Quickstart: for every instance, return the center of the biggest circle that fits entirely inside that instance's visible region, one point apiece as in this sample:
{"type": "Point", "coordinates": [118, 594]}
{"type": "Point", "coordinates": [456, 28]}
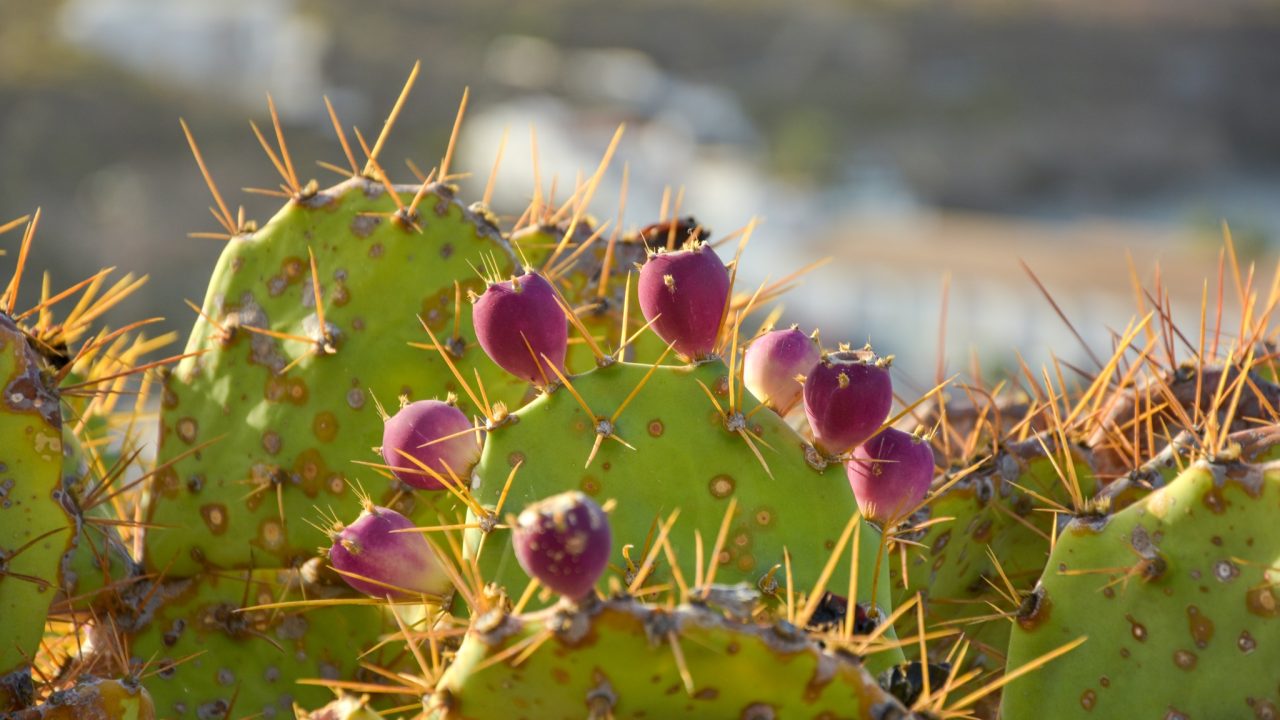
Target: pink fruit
{"type": "Point", "coordinates": [890, 474]}
{"type": "Point", "coordinates": [564, 541]}
{"type": "Point", "coordinates": [377, 561]}
{"type": "Point", "coordinates": [847, 395]}
{"type": "Point", "coordinates": [684, 293]}
{"type": "Point", "coordinates": [772, 362]}
{"type": "Point", "coordinates": [417, 430]}
{"type": "Point", "coordinates": [521, 327]}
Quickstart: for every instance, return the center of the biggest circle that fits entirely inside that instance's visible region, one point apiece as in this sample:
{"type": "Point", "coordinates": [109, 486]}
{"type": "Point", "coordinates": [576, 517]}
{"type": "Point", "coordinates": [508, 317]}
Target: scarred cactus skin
{"type": "Point", "coordinates": [36, 529]}
{"type": "Point", "coordinates": [846, 397]}
{"type": "Point", "coordinates": [435, 434]}
{"type": "Point", "coordinates": [378, 561]}
{"type": "Point", "coordinates": [1177, 595]}
{"type": "Point", "coordinates": [772, 362]}
{"type": "Point", "coordinates": [890, 474]}
{"type": "Point", "coordinates": [686, 291]}
{"type": "Point", "coordinates": [564, 542]}
{"type": "Point", "coordinates": [522, 328]}
{"type": "Point", "coordinates": [94, 699]}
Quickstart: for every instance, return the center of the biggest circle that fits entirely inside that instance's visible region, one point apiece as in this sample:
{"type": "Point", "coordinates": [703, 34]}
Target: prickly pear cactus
{"type": "Point", "coordinates": [623, 658]}
{"type": "Point", "coordinates": [263, 426]}
{"type": "Point", "coordinates": [671, 448]}
{"type": "Point", "coordinates": [1176, 595]}
{"type": "Point", "coordinates": [35, 527]}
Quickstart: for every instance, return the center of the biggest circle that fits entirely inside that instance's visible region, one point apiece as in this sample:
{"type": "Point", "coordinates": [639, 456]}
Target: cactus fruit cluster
{"type": "Point", "coordinates": [417, 460]}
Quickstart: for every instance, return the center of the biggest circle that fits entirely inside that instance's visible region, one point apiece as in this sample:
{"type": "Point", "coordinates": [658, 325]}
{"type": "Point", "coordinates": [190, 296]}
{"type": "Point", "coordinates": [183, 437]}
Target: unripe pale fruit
{"type": "Point", "coordinates": [564, 541]}
{"type": "Point", "coordinates": [684, 293]}
{"type": "Point", "coordinates": [521, 327]}
{"type": "Point", "coordinates": [418, 430]}
{"type": "Point", "coordinates": [378, 561]}
{"type": "Point", "coordinates": [847, 395]}
{"type": "Point", "coordinates": [890, 474]}
{"type": "Point", "coordinates": [771, 363]}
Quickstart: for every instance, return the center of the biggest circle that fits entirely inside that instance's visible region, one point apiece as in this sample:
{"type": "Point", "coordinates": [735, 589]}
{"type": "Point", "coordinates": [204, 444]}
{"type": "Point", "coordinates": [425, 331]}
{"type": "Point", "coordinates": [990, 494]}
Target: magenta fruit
{"type": "Point", "coordinates": [684, 293]}
{"type": "Point", "coordinates": [437, 435]}
{"type": "Point", "coordinates": [378, 561]}
{"type": "Point", "coordinates": [847, 395]}
{"type": "Point", "coordinates": [890, 474]}
{"type": "Point", "coordinates": [771, 363]}
{"type": "Point", "coordinates": [521, 327]}
{"type": "Point", "coordinates": [564, 541]}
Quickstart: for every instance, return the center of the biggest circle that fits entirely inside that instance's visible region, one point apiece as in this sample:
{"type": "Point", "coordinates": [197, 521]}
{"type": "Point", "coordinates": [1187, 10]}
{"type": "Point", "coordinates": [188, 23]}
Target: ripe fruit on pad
{"type": "Point", "coordinates": [521, 327]}
{"type": "Point", "coordinates": [564, 541]}
{"type": "Point", "coordinates": [434, 433]}
{"type": "Point", "coordinates": [847, 395]}
{"type": "Point", "coordinates": [890, 474]}
{"type": "Point", "coordinates": [772, 362]}
{"type": "Point", "coordinates": [686, 291]}
{"type": "Point", "coordinates": [376, 560]}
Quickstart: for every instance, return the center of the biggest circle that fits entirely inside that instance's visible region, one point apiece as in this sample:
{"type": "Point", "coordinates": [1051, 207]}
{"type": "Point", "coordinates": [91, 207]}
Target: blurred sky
{"type": "Point", "coordinates": [911, 140]}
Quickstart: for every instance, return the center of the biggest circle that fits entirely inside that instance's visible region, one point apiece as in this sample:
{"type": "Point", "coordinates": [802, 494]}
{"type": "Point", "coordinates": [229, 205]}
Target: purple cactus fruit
{"type": "Point", "coordinates": [772, 362]}
{"type": "Point", "coordinates": [378, 561]}
{"type": "Point", "coordinates": [518, 322]}
{"type": "Point", "coordinates": [847, 395]}
{"type": "Point", "coordinates": [890, 474]}
{"type": "Point", "coordinates": [417, 430]}
{"type": "Point", "coordinates": [686, 290]}
{"type": "Point", "coordinates": [564, 541]}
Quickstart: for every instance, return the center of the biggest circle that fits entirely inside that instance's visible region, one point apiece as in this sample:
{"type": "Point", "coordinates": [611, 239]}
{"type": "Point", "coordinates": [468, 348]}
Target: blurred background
{"type": "Point", "coordinates": [910, 139]}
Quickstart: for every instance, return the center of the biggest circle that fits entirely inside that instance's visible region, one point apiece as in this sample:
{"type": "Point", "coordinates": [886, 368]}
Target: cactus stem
{"type": "Point", "coordinates": [444, 355]}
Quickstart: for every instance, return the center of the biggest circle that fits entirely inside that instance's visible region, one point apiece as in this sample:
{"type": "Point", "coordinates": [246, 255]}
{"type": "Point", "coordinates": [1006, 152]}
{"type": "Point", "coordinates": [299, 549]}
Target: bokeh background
{"type": "Point", "coordinates": [912, 140]}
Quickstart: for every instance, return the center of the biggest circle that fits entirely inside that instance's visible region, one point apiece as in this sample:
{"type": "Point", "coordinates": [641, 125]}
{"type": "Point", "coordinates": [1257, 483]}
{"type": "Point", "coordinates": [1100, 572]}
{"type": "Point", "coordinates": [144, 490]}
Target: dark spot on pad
{"type": "Point", "coordinates": [721, 486]}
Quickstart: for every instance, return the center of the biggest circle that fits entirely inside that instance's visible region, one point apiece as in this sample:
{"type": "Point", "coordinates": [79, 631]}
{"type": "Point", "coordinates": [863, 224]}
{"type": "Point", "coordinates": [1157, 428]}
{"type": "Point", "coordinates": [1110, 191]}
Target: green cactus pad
{"type": "Point", "coordinates": [1177, 597]}
{"type": "Point", "coordinates": [255, 657]}
{"type": "Point", "coordinates": [684, 458]}
{"type": "Point", "coordinates": [36, 529]}
{"type": "Point", "coordinates": [300, 430]}
{"type": "Point", "coordinates": [616, 659]}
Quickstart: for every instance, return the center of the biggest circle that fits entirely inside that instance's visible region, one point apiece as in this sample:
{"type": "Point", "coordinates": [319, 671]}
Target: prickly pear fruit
{"type": "Point", "coordinates": [847, 396]}
{"type": "Point", "coordinates": [433, 434]}
{"type": "Point", "coordinates": [376, 560]}
{"type": "Point", "coordinates": [890, 474]}
{"type": "Point", "coordinates": [35, 527]}
{"type": "Point", "coordinates": [521, 327]}
{"type": "Point", "coordinates": [564, 542]}
{"type": "Point", "coordinates": [683, 293]}
{"type": "Point", "coordinates": [771, 363]}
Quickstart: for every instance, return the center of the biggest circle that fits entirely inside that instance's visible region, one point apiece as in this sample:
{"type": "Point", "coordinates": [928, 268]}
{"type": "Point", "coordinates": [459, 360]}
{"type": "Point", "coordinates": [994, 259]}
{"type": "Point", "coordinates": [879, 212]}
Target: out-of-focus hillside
{"type": "Point", "coordinates": [832, 121]}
